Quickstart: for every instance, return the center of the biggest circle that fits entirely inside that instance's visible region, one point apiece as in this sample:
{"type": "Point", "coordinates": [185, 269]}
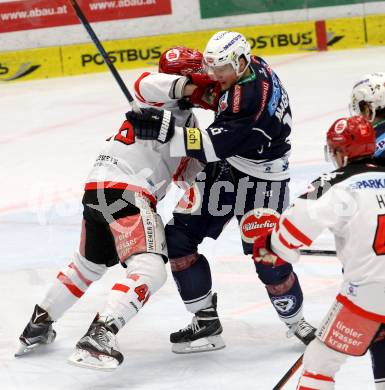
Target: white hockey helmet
{"type": "Point", "coordinates": [370, 89]}
{"type": "Point", "coordinates": [226, 47]}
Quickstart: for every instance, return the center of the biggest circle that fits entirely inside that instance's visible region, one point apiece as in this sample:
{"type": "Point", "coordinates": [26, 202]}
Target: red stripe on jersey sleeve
{"type": "Point", "coordinates": [296, 233]}
{"type": "Point", "coordinates": [287, 244]}
{"type": "Point", "coordinates": [136, 86]}
{"type": "Point", "coordinates": [139, 95]}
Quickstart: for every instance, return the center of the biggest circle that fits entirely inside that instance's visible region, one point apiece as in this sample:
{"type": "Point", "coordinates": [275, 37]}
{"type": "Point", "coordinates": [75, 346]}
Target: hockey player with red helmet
{"type": "Point", "coordinates": [368, 99]}
{"type": "Point", "coordinates": [350, 202]}
{"type": "Point", "coordinates": [180, 73]}
{"type": "Point", "coordinates": [120, 225]}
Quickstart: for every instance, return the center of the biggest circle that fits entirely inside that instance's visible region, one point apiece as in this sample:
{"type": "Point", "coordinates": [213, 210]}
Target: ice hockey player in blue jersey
{"type": "Point", "coordinates": [246, 149]}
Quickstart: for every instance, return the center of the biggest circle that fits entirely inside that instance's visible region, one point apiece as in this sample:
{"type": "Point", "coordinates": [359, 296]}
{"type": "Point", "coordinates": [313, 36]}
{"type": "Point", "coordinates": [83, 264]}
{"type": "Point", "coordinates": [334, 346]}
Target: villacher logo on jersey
{"type": "Point", "coordinates": [256, 222]}
{"type": "Point", "coordinates": [255, 225]}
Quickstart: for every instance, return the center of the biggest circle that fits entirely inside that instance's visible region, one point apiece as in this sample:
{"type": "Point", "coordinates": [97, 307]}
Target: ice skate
{"type": "Point", "coordinates": [98, 348]}
{"type": "Point", "coordinates": [202, 335]}
{"type": "Point", "coordinates": [38, 332]}
{"type": "Point", "coordinates": [302, 330]}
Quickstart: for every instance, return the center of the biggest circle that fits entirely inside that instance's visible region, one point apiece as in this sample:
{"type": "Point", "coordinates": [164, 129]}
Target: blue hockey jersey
{"type": "Point", "coordinates": [251, 127]}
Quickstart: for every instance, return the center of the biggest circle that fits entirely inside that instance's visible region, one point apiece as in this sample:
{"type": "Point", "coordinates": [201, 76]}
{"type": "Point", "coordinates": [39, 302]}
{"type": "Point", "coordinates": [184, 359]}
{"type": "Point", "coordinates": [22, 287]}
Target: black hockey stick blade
{"type": "Point", "coordinates": [104, 54]}
{"type": "Point", "coordinates": [292, 370]}
{"type": "Point", "coordinates": [317, 252]}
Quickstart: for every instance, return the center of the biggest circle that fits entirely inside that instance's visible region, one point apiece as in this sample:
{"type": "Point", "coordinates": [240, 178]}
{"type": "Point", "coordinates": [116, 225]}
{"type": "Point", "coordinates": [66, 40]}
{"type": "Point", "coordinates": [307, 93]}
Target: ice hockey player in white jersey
{"type": "Point", "coordinates": [368, 99]}
{"type": "Point", "coordinates": [349, 201]}
{"type": "Point", "coordinates": [120, 224]}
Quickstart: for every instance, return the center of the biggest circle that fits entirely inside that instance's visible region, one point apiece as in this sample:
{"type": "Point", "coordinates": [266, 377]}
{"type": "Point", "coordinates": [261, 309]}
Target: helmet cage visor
{"type": "Point", "coordinates": [330, 156]}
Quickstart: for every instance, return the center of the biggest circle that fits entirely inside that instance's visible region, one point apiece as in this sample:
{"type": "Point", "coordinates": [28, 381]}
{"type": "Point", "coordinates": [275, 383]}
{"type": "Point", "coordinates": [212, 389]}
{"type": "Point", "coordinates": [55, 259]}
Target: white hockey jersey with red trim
{"type": "Point", "coordinates": [145, 165]}
{"type": "Point", "coordinates": [351, 203]}
{"type": "Point", "coordinates": [156, 90]}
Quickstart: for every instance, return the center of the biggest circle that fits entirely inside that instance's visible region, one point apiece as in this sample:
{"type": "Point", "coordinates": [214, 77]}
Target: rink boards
{"type": "Point", "coordinates": [334, 34]}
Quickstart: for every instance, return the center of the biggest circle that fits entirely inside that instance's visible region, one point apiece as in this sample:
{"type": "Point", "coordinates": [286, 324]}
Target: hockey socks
{"type": "Point", "coordinates": [377, 352]}
{"type": "Point", "coordinates": [70, 285]}
{"type": "Point", "coordinates": [146, 273]}
{"type": "Point", "coordinates": [287, 299]}
{"type": "Point", "coordinates": [192, 276]}
{"type": "Point", "coordinates": [313, 381]}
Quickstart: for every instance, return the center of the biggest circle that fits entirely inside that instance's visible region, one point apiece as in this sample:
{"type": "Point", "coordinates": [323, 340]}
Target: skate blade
{"type": "Point", "coordinates": [205, 344]}
{"type": "Point", "coordinates": [85, 359]}
{"type": "Point", "coordinates": [27, 349]}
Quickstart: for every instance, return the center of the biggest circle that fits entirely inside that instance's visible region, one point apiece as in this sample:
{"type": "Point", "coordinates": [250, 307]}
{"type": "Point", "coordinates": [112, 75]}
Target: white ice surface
{"type": "Point", "coordinates": [50, 133]}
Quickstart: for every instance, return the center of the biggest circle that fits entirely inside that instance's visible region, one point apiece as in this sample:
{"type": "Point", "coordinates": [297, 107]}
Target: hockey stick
{"type": "Point", "coordinates": [292, 370]}
{"type": "Point", "coordinates": [104, 54]}
{"type": "Point", "coordinates": [317, 252]}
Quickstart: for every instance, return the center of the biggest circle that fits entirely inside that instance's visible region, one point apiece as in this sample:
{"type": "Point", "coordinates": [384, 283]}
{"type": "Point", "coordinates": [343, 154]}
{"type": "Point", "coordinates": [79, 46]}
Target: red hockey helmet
{"type": "Point", "coordinates": [180, 60]}
{"type": "Point", "coordinates": [354, 137]}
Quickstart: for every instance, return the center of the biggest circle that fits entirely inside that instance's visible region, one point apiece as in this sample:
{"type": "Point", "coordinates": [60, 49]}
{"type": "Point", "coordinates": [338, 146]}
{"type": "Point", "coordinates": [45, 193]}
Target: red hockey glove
{"type": "Point", "coordinates": [201, 79]}
{"type": "Point", "coordinates": [208, 92]}
{"type": "Point", "coordinates": [262, 251]}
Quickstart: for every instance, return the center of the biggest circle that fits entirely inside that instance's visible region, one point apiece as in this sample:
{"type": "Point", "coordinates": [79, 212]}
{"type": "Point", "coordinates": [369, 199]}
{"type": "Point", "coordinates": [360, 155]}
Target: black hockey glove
{"type": "Point", "coordinates": [152, 124]}
{"type": "Point", "coordinates": [184, 104]}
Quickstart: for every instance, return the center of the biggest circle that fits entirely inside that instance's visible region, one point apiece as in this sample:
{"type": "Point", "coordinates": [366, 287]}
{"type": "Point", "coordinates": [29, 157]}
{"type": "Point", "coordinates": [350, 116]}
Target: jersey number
{"type": "Point", "coordinates": [143, 293]}
{"type": "Point", "coordinates": [126, 134]}
{"type": "Point", "coordinates": [379, 238]}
